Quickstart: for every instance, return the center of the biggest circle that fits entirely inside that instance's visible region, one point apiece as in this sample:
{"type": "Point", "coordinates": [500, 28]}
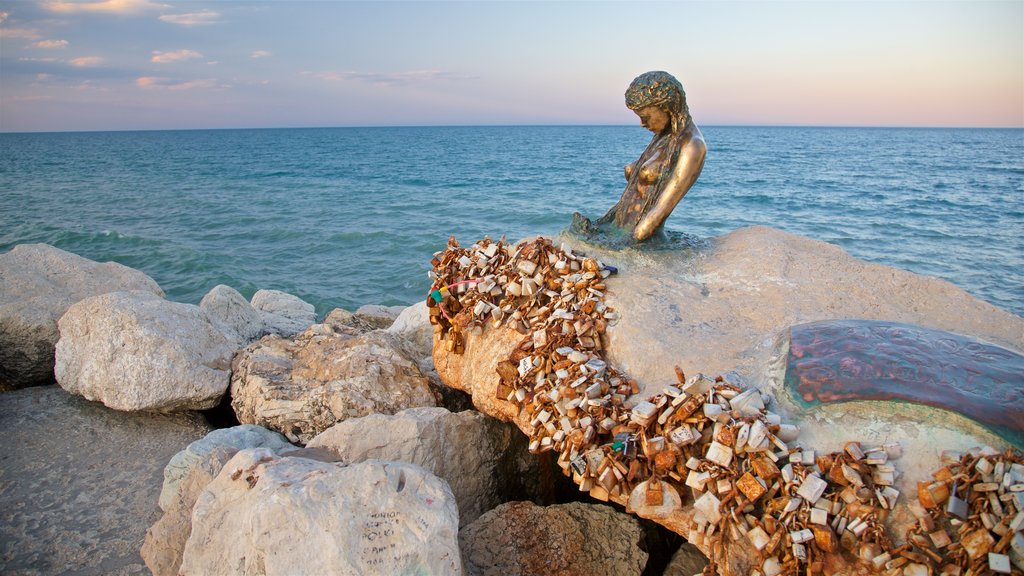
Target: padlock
{"type": "Point", "coordinates": [956, 506]}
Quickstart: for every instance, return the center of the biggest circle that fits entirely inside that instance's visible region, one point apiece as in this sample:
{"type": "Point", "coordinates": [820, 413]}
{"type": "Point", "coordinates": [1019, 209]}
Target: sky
{"type": "Point", "coordinates": [68, 65]}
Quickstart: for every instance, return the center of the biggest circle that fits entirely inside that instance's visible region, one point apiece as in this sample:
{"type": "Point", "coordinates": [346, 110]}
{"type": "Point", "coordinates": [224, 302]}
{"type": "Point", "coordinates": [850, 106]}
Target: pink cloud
{"type": "Point", "coordinates": [51, 44]}
{"type": "Point", "coordinates": [159, 82]}
{"type": "Point", "coordinates": [200, 18]}
{"type": "Point", "coordinates": [174, 56]}
{"type": "Point", "coordinates": [103, 6]}
{"type": "Point", "coordinates": [86, 61]}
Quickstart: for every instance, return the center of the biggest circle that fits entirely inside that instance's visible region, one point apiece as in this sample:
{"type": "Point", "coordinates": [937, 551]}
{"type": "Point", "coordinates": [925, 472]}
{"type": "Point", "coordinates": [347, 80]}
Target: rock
{"type": "Point", "coordinates": [413, 327]}
{"type": "Point", "coordinates": [236, 437]}
{"type": "Point", "coordinates": [37, 285]}
{"type": "Point", "coordinates": [283, 313]}
{"type": "Point", "coordinates": [165, 541]}
{"type": "Point", "coordinates": [687, 561]}
{"type": "Point", "coordinates": [343, 322]}
{"type": "Point", "coordinates": [233, 315]}
{"type": "Point", "coordinates": [722, 308]}
{"type": "Point", "coordinates": [483, 460]}
{"type": "Point", "coordinates": [137, 351]}
{"type": "Point", "coordinates": [79, 482]}
{"type": "Point", "coordinates": [302, 386]}
{"type": "Point", "coordinates": [265, 514]}
{"type": "Point", "coordinates": [380, 317]}
{"type": "Point", "coordinates": [729, 307]}
{"type": "Point", "coordinates": [523, 539]}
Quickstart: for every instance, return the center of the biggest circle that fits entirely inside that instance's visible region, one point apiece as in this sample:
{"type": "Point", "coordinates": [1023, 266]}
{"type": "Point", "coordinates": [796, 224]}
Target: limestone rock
{"type": "Point", "coordinates": [726, 307]}
{"type": "Point", "coordinates": [271, 515]}
{"type": "Point", "coordinates": [236, 437]}
{"type": "Point", "coordinates": [283, 313]}
{"type": "Point", "coordinates": [302, 386]}
{"type": "Point", "coordinates": [232, 314]}
{"type": "Point", "coordinates": [523, 539]}
{"type": "Point", "coordinates": [483, 460]}
{"type": "Point", "coordinates": [37, 285]}
{"type": "Point", "coordinates": [687, 561]}
{"type": "Point", "coordinates": [721, 308]}
{"type": "Point", "coordinates": [79, 482]}
{"type": "Point", "coordinates": [137, 351]}
{"type": "Point", "coordinates": [380, 317]}
{"type": "Point", "coordinates": [165, 541]}
{"type": "Point", "coordinates": [343, 322]}
{"type": "Point", "coordinates": [413, 327]}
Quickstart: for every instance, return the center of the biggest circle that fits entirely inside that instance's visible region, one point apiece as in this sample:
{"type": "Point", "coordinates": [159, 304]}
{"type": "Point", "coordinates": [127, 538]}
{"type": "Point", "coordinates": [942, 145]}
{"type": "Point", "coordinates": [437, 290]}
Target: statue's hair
{"type": "Point", "coordinates": [660, 89]}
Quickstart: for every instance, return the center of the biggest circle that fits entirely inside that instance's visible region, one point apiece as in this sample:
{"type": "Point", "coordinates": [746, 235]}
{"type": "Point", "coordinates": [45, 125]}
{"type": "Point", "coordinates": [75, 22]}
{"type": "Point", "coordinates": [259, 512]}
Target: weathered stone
{"type": "Point", "coordinates": [37, 285]}
{"type": "Point", "coordinates": [413, 327]}
{"type": "Point", "coordinates": [523, 539]}
{"type": "Point", "coordinates": [236, 437]}
{"type": "Point", "coordinates": [687, 561]}
{"type": "Point", "coordinates": [137, 351]}
{"type": "Point", "coordinates": [271, 515]}
{"type": "Point", "coordinates": [165, 541]}
{"type": "Point", "coordinates": [79, 482]}
{"type": "Point", "coordinates": [283, 313]}
{"type": "Point", "coordinates": [483, 460]}
{"type": "Point", "coordinates": [726, 307]}
{"type": "Point", "coordinates": [302, 386]}
{"type": "Point", "coordinates": [345, 323]}
{"type": "Point", "coordinates": [380, 317]}
{"type": "Point", "coordinates": [232, 314]}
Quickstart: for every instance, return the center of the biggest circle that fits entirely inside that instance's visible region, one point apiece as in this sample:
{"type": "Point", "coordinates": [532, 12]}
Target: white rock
{"type": "Point", "coordinates": [303, 386]}
{"type": "Point", "coordinates": [283, 313]}
{"type": "Point", "coordinates": [232, 314]}
{"type": "Point", "coordinates": [237, 437]}
{"type": "Point", "coordinates": [379, 316]}
{"type": "Point", "coordinates": [137, 351]}
{"type": "Point", "coordinates": [283, 516]}
{"type": "Point", "coordinates": [37, 285]}
{"type": "Point", "coordinates": [481, 458]}
{"type": "Point", "coordinates": [413, 328]}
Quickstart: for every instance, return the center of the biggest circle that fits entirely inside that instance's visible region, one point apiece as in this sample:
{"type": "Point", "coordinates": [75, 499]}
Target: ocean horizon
{"type": "Point", "coordinates": [351, 215]}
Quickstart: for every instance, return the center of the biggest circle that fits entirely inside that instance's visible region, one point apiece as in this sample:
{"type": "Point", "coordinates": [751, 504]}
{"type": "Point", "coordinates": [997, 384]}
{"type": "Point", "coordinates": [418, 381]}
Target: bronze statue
{"type": "Point", "coordinates": [666, 169]}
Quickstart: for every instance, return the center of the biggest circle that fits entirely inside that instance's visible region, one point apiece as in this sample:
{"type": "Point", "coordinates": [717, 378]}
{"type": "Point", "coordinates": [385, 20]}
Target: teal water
{"type": "Point", "coordinates": [351, 216]}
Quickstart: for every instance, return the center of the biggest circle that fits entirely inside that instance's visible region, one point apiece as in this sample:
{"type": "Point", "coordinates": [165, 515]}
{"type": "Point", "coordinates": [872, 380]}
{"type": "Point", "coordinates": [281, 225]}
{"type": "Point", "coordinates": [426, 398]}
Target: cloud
{"type": "Point", "coordinates": [26, 33]}
{"type": "Point", "coordinates": [4, 16]}
{"type": "Point", "coordinates": [174, 56]}
{"type": "Point", "coordinates": [51, 44]}
{"type": "Point", "coordinates": [192, 18]}
{"type": "Point", "coordinates": [86, 61]}
{"type": "Point", "coordinates": [390, 78]}
{"type": "Point", "coordinates": [103, 6]}
{"type": "Point", "coordinates": [158, 82]}
{"type": "Point", "coordinates": [261, 54]}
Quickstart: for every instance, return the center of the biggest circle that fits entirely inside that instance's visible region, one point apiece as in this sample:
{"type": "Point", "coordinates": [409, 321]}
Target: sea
{"type": "Point", "coordinates": [343, 217]}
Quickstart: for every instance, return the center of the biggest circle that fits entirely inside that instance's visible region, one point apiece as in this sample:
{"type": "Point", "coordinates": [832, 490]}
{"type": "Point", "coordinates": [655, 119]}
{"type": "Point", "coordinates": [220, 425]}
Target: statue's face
{"type": "Point", "coordinates": [654, 118]}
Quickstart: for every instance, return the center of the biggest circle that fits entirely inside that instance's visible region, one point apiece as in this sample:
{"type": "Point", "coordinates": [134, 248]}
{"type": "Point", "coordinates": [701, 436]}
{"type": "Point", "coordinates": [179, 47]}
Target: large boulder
{"type": "Point", "coordinates": [282, 313]}
{"type": "Point", "coordinates": [79, 482]}
{"type": "Point", "coordinates": [232, 314]}
{"type": "Point", "coordinates": [728, 309]}
{"type": "Point", "coordinates": [484, 461]}
{"type": "Point", "coordinates": [37, 285]}
{"type": "Point", "coordinates": [378, 316]}
{"type": "Point", "coordinates": [413, 327]}
{"type": "Point", "coordinates": [575, 539]}
{"type": "Point", "coordinates": [137, 351]}
{"type": "Point", "coordinates": [165, 541]}
{"type": "Point", "coordinates": [237, 437]}
{"type": "Point", "coordinates": [302, 386]}
{"type": "Point", "coordinates": [265, 514]}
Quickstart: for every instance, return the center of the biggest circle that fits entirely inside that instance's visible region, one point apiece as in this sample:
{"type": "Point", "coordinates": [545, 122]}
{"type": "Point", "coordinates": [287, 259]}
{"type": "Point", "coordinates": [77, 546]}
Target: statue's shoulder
{"type": "Point", "coordinates": [694, 145]}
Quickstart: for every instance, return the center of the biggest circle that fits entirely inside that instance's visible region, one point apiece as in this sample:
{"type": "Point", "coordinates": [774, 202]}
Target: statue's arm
{"type": "Point", "coordinates": [684, 174]}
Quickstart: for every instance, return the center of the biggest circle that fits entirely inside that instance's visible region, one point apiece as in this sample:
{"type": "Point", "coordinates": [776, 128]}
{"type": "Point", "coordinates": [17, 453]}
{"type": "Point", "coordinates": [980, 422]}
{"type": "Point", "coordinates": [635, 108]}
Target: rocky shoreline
{"type": "Point", "coordinates": [348, 453]}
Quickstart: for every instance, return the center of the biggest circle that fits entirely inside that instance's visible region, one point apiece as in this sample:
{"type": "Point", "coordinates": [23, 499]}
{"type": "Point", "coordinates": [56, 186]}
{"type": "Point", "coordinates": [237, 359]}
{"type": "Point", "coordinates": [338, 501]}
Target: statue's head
{"type": "Point", "coordinates": [662, 90]}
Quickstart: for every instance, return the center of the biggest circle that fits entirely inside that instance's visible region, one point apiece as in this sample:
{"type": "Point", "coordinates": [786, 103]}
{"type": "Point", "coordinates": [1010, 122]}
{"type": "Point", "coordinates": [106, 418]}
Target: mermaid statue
{"type": "Point", "coordinates": [663, 173]}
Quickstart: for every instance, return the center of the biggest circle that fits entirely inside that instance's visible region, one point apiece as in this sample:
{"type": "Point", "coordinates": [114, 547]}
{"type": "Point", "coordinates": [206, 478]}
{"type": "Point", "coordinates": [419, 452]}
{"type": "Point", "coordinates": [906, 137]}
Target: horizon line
{"type": "Point", "coordinates": [523, 125]}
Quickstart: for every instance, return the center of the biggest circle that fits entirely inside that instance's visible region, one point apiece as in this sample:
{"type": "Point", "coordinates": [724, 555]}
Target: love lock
{"type": "Point", "coordinates": [956, 506]}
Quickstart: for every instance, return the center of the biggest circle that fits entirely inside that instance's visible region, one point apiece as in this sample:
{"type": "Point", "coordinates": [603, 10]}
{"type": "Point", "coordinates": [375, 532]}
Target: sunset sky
{"type": "Point", "coordinates": [156, 64]}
